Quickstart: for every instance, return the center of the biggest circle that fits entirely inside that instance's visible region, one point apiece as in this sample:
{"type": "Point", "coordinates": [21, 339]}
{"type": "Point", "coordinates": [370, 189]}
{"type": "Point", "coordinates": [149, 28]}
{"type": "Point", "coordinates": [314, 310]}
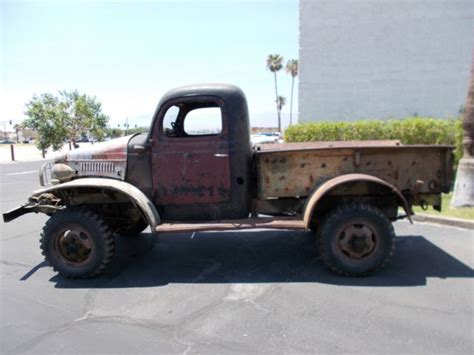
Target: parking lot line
{"type": "Point", "coordinates": [22, 172]}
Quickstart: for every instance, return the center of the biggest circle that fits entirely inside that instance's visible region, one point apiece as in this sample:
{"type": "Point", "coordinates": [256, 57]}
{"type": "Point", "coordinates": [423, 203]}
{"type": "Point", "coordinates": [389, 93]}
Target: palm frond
{"type": "Point", "coordinates": [274, 62]}
{"type": "Point", "coordinates": [292, 67]}
{"type": "Point", "coordinates": [281, 101]}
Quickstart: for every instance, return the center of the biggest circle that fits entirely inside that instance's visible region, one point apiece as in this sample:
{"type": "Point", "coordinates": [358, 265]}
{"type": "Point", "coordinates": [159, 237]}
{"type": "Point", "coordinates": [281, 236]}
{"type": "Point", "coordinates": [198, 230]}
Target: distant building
{"type": "Point", "coordinates": [381, 59]}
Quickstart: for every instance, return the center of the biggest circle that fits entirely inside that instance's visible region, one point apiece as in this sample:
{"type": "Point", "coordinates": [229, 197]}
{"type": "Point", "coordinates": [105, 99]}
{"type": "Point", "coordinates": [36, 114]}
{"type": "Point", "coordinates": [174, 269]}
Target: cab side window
{"type": "Point", "coordinates": [192, 120]}
{"type": "Point", "coordinates": [169, 121]}
{"type": "Point", "coordinates": [203, 121]}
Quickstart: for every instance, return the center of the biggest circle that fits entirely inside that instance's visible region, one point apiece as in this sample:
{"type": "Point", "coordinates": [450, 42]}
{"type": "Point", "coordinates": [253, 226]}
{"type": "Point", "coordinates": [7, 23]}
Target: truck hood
{"type": "Point", "coordinates": [106, 159]}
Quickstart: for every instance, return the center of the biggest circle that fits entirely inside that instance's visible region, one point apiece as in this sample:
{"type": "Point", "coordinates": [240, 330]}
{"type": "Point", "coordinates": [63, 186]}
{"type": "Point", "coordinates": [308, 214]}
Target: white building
{"type": "Point", "coordinates": [384, 58]}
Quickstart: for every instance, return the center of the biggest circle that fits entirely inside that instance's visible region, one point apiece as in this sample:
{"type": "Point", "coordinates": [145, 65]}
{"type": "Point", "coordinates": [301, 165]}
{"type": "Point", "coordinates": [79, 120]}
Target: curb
{"type": "Point", "coordinates": [451, 221]}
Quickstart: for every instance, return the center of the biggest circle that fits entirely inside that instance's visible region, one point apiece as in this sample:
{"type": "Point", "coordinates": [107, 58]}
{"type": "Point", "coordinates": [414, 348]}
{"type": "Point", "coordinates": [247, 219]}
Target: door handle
{"type": "Point", "coordinates": [219, 155]}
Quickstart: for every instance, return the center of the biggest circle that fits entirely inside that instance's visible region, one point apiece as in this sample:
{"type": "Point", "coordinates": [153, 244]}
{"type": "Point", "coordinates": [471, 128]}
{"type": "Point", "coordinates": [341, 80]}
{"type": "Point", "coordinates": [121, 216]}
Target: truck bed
{"type": "Point", "coordinates": [295, 169]}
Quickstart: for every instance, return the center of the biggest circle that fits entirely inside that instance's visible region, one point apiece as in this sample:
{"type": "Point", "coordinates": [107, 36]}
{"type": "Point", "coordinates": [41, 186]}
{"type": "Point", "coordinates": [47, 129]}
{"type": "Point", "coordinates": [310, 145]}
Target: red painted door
{"type": "Point", "coordinates": [190, 163]}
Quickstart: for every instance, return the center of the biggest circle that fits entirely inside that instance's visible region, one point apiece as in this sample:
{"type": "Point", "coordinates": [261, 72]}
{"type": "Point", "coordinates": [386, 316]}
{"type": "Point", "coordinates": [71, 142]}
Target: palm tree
{"type": "Point", "coordinates": [292, 69]}
{"type": "Point", "coordinates": [274, 64]}
{"type": "Point", "coordinates": [281, 101]}
{"type": "Point", "coordinates": [463, 194]}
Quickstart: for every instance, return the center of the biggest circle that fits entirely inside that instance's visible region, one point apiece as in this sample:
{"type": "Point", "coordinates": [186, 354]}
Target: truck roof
{"type": "Point", "coordinates": [225, 91]}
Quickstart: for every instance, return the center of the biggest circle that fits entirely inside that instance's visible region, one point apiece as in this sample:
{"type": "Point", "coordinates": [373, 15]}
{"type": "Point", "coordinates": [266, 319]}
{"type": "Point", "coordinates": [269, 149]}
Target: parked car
{"type": "Point", "coordinates": [261, 138]}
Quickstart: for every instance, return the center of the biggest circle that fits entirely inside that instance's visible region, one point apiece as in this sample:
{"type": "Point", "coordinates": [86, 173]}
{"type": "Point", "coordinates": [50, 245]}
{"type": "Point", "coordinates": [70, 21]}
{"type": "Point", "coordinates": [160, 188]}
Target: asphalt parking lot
{"type": "Point", "coordinates": [234, 292]}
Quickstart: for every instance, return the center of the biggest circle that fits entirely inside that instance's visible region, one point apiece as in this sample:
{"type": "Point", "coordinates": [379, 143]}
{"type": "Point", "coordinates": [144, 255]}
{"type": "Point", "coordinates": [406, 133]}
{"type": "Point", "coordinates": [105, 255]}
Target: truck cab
{"type": "Point", "coordinates": [195, 162]}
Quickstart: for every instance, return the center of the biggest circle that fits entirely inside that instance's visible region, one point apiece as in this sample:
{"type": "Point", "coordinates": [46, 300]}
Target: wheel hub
{"type": "Point", "coordinates": [357, 241]}
{"type": "Point", "coordinates": [74, 245]}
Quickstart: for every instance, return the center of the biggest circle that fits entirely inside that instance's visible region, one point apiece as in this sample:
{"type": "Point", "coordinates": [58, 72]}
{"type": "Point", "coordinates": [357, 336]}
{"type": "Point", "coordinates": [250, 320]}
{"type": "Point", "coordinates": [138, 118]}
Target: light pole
{"type": "Point", "coordinates": [464, 188]}
{"type": "Point", "coordinates": [126, 125]}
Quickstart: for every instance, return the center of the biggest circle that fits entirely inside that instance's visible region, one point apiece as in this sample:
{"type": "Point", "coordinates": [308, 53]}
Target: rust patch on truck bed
{"type": "Point", "coordinates": [324, 145]}
{"type": "Point", "coordinates": [288, 173]}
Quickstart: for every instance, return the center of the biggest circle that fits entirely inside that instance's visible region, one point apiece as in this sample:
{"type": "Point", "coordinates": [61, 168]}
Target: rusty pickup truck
{"type": "Point", "coordinates": [179, 177]}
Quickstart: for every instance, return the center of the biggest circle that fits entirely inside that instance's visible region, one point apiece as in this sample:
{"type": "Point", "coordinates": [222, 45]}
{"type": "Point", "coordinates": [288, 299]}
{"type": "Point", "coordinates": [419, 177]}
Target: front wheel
{"type": "Point", "coordinates": [356, 239]}
{"type": "Point", "coordinates": [77, 243]}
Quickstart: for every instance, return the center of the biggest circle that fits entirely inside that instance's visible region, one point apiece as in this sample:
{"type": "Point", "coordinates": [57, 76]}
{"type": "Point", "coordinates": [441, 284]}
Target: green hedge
{"type": "Point", "coordinates": [411, 130]}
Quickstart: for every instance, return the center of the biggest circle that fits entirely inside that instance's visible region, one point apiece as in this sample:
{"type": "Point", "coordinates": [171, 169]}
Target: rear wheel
{"type": "Point", "coordinates": [356, 239]}
{"type": "Point", "coordinates": [77, 243]}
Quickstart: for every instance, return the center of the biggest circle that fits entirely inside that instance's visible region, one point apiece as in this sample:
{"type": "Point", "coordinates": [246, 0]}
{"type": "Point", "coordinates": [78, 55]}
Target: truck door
{"type": "Point", "coordinates": [190, 153]}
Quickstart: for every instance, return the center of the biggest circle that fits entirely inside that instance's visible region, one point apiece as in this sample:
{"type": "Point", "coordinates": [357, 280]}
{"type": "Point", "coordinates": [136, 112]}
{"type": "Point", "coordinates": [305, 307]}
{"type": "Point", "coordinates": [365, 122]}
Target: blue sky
{"type": "Point", "coordinates": [128, 53]}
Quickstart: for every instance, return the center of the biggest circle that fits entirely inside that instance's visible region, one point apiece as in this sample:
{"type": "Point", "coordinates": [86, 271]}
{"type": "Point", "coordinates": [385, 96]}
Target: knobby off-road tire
{"type": "Point", "coordinates": [77, 243]}
{"type": "Point", "coordinates": [355, 239]}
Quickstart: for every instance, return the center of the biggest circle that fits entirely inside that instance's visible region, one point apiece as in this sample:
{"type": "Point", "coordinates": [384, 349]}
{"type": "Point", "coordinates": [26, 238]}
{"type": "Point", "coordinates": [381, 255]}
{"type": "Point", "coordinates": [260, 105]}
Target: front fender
{"type": "Point", "coordinates": [137, 197]}
{"type": "Point", "coordinates": [329, 185]}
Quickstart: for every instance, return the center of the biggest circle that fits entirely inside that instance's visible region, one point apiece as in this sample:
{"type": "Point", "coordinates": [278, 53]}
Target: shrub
{"type": "Point", "coordinates": [411, 130]}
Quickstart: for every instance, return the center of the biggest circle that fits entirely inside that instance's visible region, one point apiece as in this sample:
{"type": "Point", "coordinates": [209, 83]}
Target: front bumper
{"type": "Point", "coordinates": [45, 203]}
{"type": "Point", "coordinates": [17, 212]}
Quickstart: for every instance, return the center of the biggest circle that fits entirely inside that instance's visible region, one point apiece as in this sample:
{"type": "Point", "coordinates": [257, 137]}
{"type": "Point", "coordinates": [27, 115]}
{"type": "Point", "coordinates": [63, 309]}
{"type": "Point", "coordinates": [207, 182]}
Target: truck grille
{"type": "Point", "coordinates": [97, 167]}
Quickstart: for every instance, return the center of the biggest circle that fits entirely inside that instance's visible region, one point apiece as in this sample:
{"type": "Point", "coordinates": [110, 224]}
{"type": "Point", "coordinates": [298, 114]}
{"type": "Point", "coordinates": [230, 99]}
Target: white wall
{"type": "Point", "coordinates": [384, 58]}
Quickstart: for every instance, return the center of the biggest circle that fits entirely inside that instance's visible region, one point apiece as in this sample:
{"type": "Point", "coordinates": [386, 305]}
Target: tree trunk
{"type": "Point", "coordinates": [276, 102]}
{"type": "Point", "coordinates": [464, 187]}
{"type": "Point", "coordinates": [291, 99]}
{"type": "Point", "coordinates": [468, 124]}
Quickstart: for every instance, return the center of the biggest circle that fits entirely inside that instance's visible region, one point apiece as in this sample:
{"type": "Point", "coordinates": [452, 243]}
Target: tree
{"type": "Point", "coordinates": [65, 116]}
{"type": "Point", "coordinates": [17, 129]}
{"type": "Point", "coordinates": [113, 132]}
{"type": "Point", "coordinates": [83, 114]}
{"type": "Point", "coordinates": [281, 101]}
{"type": "Point", "coordinates": [45, 116]}
{"type": "Point", "coordinates": [28, 134]}
{"type": "Point", "coordinates": [137, 130]}
{"type": "Point", "coordinates": [292, 69]}
{"type": "Point", "coordinates": [464, 188]}
{"type": "Point", "coordinates": [274, 64]}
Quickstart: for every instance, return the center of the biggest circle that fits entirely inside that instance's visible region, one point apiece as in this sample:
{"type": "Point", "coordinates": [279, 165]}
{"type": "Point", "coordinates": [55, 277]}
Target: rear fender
{"type": "Point", "coordinates": [329, 185]}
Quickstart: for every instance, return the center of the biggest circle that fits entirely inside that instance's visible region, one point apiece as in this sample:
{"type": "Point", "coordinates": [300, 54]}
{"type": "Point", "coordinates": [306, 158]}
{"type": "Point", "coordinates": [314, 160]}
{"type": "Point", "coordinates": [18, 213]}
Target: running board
{"type": "Point", "coordinates": [293, 223]}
